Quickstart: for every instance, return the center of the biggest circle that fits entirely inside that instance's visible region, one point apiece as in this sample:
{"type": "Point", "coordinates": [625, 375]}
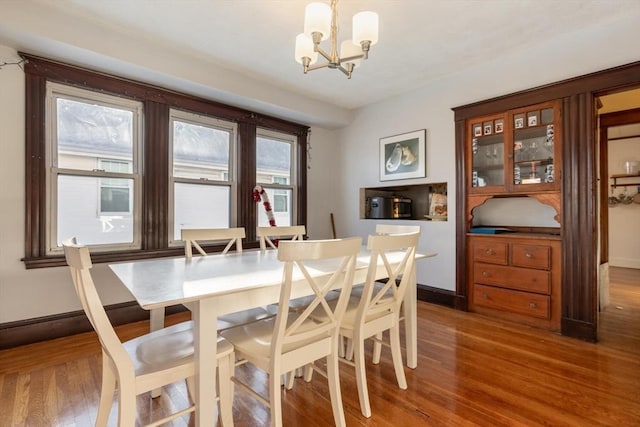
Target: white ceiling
{"type": "Point", "coordinates": [250, 42]}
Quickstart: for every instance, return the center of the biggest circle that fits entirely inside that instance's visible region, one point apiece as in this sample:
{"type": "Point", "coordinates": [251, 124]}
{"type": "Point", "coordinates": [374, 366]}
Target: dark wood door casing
{"type": "Point", "coordinates": [578, 188]}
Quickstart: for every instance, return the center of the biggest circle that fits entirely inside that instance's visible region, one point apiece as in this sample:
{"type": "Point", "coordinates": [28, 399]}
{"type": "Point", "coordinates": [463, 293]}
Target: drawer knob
{"type": "Point", "coordinates": [485, 296]}
{"type": "Point", "coordinates": [528, 255]}
{"type": "Point", "coordinates": [490, 251]}
{"type": "Point", "coordinates": [533, 305]}
{"type": "Point", "coordinates": [485, 274]}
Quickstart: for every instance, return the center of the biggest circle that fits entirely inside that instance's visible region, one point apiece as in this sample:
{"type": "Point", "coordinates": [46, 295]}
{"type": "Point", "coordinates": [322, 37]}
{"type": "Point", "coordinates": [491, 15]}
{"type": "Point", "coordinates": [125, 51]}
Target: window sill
{"type": "Point", "coordinates": [108, 257]}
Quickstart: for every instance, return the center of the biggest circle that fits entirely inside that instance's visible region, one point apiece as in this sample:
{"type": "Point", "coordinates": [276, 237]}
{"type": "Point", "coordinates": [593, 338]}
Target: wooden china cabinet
{"type": "Point", "coordinates": [514, 272]}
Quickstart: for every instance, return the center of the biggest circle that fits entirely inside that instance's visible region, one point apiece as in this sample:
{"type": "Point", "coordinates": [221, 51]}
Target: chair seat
{"type": "Point", "coordinates": [244, 317]}
{"type": "Point", "coordinates": [255, 338]}
{"type": "Point", "coordinates": [167, 348]}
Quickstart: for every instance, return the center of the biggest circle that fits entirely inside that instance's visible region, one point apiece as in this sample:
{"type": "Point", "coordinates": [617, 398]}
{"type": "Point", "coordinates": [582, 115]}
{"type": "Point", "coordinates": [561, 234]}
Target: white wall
{"type": "Point", "coordinates": [342, 161]}
{"type": "Point", "coordinates": [624, 220]}
{"type": "Point", "coordinates": [27, 294]}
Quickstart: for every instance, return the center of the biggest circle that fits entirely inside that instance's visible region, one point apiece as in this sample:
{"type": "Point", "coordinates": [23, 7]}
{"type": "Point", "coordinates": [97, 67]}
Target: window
{"type": "Point", "coordinates": [124, 166]}
{"type": "Point", "coordinates": [274, 159]}
{"type": "Point", "coordinates": [202, 164]}
{"type": "Point", "coordinates": [92, 197]}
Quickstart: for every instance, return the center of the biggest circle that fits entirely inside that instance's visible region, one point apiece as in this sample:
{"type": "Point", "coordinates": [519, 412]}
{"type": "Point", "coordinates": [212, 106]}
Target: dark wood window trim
{"type": "Point", "coordinates": [157, 102]}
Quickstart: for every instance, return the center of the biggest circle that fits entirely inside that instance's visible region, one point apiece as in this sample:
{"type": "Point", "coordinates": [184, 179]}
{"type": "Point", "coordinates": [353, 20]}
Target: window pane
{"type": "Point", "coordinates": [88, 131]}
{"type": "Point", "coordinates": [200, 206]}
{"type": "Point", "coordinates": [200, 151]}
{"type": "Point", "coordinates": [281, 205]}
{"type": "Point", "coordinates": [79, 212]}
{"type": "Point", "coordinates": [273, 161]}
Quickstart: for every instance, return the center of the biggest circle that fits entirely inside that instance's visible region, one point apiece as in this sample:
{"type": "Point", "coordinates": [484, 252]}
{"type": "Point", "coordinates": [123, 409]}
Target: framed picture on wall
{"type": "Point", "coordinates": [403, 156]}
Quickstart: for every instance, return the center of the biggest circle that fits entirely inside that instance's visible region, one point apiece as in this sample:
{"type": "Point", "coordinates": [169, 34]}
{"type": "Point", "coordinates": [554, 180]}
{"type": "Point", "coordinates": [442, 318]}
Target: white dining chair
{"type": "Point", "coordinates": [292, 339]}
{"type": "Point", "coordinates": [385, 229]}
{"type": "Point", "coordinates": [377, 308]}
{"type": "Point", "coordinates": [267, 234]}
{"type": "Point", "coordinates": [231, 237]}
{"type": "Point", "coordinates": [146, 362]}
{"type": "Point", "coordinates": [267, 239]}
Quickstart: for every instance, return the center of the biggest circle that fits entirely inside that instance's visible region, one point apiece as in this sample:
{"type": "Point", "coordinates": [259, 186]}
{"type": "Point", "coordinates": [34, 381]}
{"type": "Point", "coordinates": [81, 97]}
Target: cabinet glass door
{"type": "Point", "coordinates": [533, 147]}
{"type": "Point", "coordinates": [487, 149]}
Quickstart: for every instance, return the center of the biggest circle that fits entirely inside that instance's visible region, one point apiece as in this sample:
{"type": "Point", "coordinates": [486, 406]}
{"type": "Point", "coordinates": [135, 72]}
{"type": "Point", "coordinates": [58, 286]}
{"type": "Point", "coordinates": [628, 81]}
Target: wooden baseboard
{"type": "Point", "coordinates": [30, 331]}
{"type": "Point", "coordinates": [578, 329]}
{"type": "Point", "coordinates": [437, 296]}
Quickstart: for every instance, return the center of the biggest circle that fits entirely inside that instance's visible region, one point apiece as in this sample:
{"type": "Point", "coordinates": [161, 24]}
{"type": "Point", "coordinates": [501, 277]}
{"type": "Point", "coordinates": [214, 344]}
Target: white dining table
{"type": "Point", "coordinates": [215, 285]}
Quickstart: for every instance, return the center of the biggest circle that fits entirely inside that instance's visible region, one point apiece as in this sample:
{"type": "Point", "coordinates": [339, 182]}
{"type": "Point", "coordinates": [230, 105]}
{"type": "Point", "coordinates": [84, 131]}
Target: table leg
{"type": "Point", "coordinates": [204, 317]}
{"type": "Point", "coordinates": [156, 322]}
{"type": "Point", "coordinates": [410, 307]}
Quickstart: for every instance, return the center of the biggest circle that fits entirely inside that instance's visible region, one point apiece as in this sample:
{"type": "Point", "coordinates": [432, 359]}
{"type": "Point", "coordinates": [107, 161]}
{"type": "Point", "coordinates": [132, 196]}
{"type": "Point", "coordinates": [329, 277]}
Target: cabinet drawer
{"type": "Point", "coordinates": [531, 256]}
{"type": "Point", "coordinates": [524, 279]}
{"type": "Point", "coordinates": [491, 252]}
{"type": "Point", "coordinates": [533, 305]}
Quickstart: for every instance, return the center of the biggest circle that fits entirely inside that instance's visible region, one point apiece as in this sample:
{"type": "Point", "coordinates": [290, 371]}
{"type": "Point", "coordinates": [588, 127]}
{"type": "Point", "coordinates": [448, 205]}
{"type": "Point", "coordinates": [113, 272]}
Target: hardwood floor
{"type": "Point", "coordinates": [472, 371]}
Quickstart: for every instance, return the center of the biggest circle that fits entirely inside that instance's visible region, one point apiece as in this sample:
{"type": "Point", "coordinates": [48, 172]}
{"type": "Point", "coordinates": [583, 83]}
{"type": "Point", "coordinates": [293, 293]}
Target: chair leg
{"type": "Point", "coordinates": [289, 378]}
{"type": "Point", "coordinates": [107, 391]}
{"type": "Point", "coordinates": [396, 354]}
{"type": "Point", "coordinates": [275, 399]}
{"type": "Point", "coordinates": [225, 389]}
{"type": "Point", "coordinates": [127, 404]}
{"type": "Point", "coordinates": [308, 372]}
{"type": "Point", "coordinates": [349, 352]}
{"type": "Point", "coordinates": [333, 378]}
{"type": "Point", "coordinates": [361, 377]}
{"type": "Point", "coordinates": [377, 348]}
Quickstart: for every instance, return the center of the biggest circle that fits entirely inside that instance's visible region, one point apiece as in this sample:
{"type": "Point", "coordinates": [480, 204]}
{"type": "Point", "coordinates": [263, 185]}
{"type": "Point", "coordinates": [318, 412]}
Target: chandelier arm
{"type": "Point", "coordinates": [321, 51]}
{"type": "Point", "coordinates": [351, 58]}
{"type": "Point", "coordinates": [317, 66]}
{"type": "Point", "coordinates": [345, 71]}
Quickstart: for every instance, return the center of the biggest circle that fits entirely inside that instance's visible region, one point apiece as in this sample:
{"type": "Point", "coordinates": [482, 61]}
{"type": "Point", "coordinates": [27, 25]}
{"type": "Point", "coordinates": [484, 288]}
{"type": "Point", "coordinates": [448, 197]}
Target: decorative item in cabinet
{"type": "Point", "coordinates": [516, 278]}
{"type": "Point", "coordinates": [535, 148]}
{"type": "Point", "coordinates": [515, 152]}
{"type": "Point", "coordinates": [487, 153]}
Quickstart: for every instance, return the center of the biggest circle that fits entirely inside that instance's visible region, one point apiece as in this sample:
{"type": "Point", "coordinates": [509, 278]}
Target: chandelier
{"type": "Point", "coordinates": [320, 23]}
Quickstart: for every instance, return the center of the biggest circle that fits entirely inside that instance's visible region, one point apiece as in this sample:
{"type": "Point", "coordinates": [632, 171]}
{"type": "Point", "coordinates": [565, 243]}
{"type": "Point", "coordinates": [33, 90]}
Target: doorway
{"type": "Point", "coordinates": [619, 225]}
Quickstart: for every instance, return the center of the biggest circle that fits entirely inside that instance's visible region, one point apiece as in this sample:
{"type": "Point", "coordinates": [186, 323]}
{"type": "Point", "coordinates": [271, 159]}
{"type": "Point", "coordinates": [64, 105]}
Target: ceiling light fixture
{"type": "Point", "coordinates": [320, 23]}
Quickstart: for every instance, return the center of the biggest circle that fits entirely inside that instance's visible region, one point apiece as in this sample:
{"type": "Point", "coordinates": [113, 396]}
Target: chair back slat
{"type": "Point", "coordinates": [397, 229]}
{"type": "Point", "coordinates": [302, 259]}
{"type": "Point", "coordinates": [266, 234]}
{"type": "Point", "coordinates": [192, 237]}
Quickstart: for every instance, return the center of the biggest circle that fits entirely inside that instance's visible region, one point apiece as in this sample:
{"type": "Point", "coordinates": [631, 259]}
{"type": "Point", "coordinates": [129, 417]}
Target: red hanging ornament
{"type": "Point", "coordinates": [259, 194]}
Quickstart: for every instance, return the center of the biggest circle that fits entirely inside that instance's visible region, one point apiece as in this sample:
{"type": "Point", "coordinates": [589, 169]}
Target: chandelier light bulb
{"type": "Point", "coordinates": [317, 19]}
{"type": "Point", "coordinates": [365, 28]}
{"type": "Point", "coordinates": [304, 49]}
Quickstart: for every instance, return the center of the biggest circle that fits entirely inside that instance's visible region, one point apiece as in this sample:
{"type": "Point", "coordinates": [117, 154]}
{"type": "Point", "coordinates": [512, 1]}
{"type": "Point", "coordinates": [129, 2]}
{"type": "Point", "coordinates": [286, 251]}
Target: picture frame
{"type": "Point", "coordinates": [499, 126]}
{"type": "Point", "coordinates": [477, 130]}
{"type": "Point", "coordinates": [519, 122]}
{"type": "Point", "coordinates": [403, 156]}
